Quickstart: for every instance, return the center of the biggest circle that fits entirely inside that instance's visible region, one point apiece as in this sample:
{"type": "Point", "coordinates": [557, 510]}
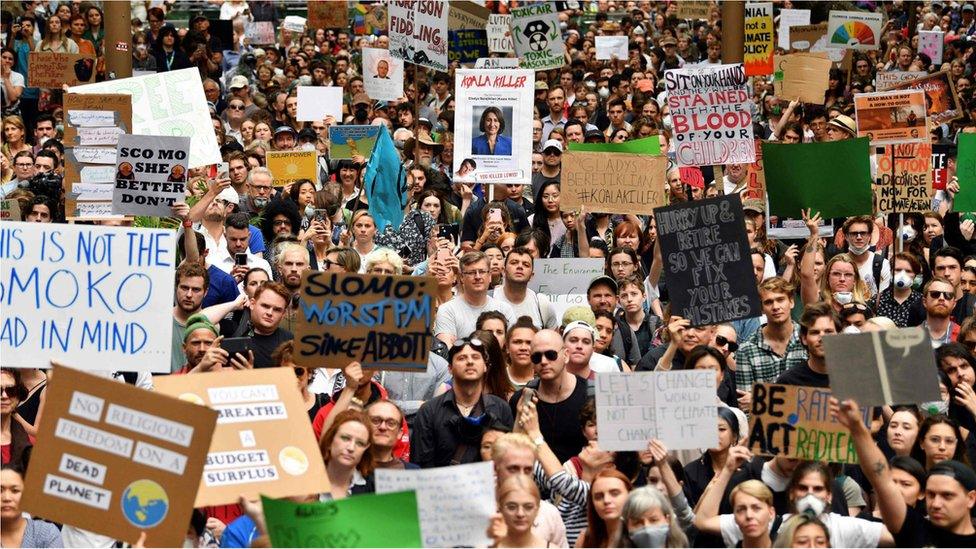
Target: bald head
{"type": "Point", "coordinates": [548, 355]}
{"type": "Point", "coordinates": [547, 339]}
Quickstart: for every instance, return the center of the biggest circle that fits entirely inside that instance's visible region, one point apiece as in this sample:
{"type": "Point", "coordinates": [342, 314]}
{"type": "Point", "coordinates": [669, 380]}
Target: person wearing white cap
{"type": "Point", "coordinates": [580, 337]}
{"type": "Point", "coordinates": [240, 88]}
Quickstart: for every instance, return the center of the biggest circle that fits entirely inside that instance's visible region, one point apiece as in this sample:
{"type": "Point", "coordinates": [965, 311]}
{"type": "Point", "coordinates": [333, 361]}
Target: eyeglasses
{"type": "Point", "coordinates": [550, 355]}
{"type": "Point", "coordinates": [24, 164]}
{"type": "Point", "coordinates": [855, 307]}
{"type": "Point", "coordinates": [857, 234]}
{"type": "Point", "coordinates": [478, 273]}
{"type": "Point", "coordinates": [236, 107]}
{"type": "Point", "coordinates": [935, 294]}
{"type": "Point", "coordinates": [281, 222]}
{"type": "Point", "coordinates": [328, 264]}
{"type": "Point", "coordinates": [621, 264]}
{"type": "Point", "coordinates": [552, 152]}
{"type": "Point", "coordinates": [389, 422]}
{"type": "Point", "coordinates": [722, 341]}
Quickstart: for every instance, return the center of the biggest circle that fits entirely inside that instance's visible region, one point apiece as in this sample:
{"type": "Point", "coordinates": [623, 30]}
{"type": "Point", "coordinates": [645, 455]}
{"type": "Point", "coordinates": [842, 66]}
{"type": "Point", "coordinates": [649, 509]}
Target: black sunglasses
{"type": "Point", "coordinates": [935, 294]}
{"type": "Point", "coordinates": [854, 306]}
{"type": "Point", "coordinates": [724, 342]}
{"type": "Point", "coordinates": [550, 355]}
{"type": "Point", "coordinates": [472, 341]}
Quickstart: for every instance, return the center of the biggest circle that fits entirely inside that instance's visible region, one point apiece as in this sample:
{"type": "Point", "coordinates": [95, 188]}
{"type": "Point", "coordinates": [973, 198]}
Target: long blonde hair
{"type": "Point", "coordinates": [860, 291]}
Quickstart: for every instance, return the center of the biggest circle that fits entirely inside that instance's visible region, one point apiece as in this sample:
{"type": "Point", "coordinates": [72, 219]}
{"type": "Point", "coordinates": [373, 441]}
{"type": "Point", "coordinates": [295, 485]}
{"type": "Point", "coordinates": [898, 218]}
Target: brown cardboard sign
{"type": "Point", "coordinates": [382, 321]}
{"type": "Point", "coordinates": [613, 182]}
{"type": "Point", "coordinates": [694, 9]}
{"type": "Point", "coordinates": [52, 70]}
{"type": "Point", "coordinates": [903, 181]}
{"type": "Point", "coordinates": [117, 460]}
{"type": "Point", "coordinates": [263, 443]}
{"type": "Point", "coordinates": [331, 14]}
{"type": "Point", "coordinates": [793, 421]}
{"type": "Point", "coordinates": [805, 76]}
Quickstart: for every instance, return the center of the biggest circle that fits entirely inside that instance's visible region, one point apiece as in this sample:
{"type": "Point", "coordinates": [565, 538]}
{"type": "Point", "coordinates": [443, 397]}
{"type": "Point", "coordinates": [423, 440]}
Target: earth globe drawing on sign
{"type": "Point", "coordinates": [144, 503]}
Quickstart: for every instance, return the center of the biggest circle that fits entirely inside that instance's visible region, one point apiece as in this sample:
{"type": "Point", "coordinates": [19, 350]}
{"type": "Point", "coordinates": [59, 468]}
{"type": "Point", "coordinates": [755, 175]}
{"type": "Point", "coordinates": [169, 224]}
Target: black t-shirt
{"type": "Point", "coordinates": [559, 422]}
{"type": "Point", "coordinates": [917, 531]}
{"type": "Point", "coordinates": [264, 345]}
{"type": "Point", "coordinates": [803, 375]}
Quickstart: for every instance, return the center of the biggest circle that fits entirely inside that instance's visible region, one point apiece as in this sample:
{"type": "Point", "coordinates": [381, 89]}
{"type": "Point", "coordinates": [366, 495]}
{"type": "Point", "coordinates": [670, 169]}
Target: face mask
{"type": "Point", "coordinates": [604, 92]}
{"type": "Point", "coordinates": [903, 280]}
{"type": "Point", "coordinates": [843, 297]}
{"type": "Point", "coordinates": [857, 250]}
{"type": "Point", "coordinates": [776, 110]}
{"type": "Point", "coordinates": [309, 211]}
{"type": "Point", "coordinates": [935, 408]}
{"type": "Point", "coordinates": [907, 233]}
{"type": "Point", "coordinates": [852, 329]}
{"type": "Point", "coordinates": [563, 26]}
{"type": "Point", "coordinates": [917, 283]}
{"type": "Point", "coordinates": [260, 202]}
{"type": "Point", "coordinates": [666, 121]}
{"type": "Point", "coordinates": [811, 505]}
{"type": "Point", "coordinates": [308, 146]}
{"type": "Point", "coordinates": [650, 536]}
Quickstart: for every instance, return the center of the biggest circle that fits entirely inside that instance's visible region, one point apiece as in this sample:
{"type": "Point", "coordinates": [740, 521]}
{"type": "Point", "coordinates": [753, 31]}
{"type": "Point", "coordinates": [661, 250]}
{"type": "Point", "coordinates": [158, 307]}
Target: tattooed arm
{"type": "Point", "coordinates": [873, 463]}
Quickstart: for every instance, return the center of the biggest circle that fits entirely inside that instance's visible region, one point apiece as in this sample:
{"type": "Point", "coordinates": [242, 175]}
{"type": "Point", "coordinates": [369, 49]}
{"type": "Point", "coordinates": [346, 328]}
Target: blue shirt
{"type": "Point", "coordinates": [503, 146]}
{"type": "Point", "coordinates": [223, 288]}
{"type": "Point", "coordinates": [239, 533]}
{"type": "Point", "coordinates": [256, 242]}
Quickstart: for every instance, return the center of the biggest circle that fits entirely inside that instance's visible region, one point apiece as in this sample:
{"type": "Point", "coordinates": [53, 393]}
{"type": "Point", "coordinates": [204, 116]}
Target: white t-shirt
{"type": "Point", "coordinates": [602, 364]}
{"type": "Point", "coordinates": [867, 274]}
{"type": "Point", "coordinates": [844, 531]}
{"type": "Point", "coordinates": [535, 306]}
{"type": "Point", "coordinates": [458, 318]}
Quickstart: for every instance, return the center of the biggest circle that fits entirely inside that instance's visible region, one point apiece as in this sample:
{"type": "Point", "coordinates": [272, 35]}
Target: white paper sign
{"type": "Point", "coordinates": [565, 281]}
{"type": "Point", "coordinates": [151, 174]}
{"type": "Point", "coordinates": [169, 104]}
{"type": "Point", "coordinates": [92, 191]}
{"type": "Point", "coordinates": [499, 31]}
{"type": "Point", "coordinates": [99, 136]}
{"type": "Point", "coordinates": [496, 63]}
{"type": "Point", "coordinates": [609, 46]}
{"type": "Point", "coordinates": [535, 32]}
{"type": "Point", "coordinates": [92, 119]}
{"type": "Point", "coordinates": [455, 503]}
{"type": "Point", "coordinates": [857, 30]}
{"type": "Point", "coordinates": [383, 78]}
{"type": "Point", "coordinates": [931, 43]}
{"type": "Point", "coordinates": [418, 32]}
{"type": "Point", "coordinates": [317, 102]}
{"type": "Point", "coordinates": [92, 155]}
{"type": "Point", "coordinates": [294, 23]}
{"type": "Point", "coordinates": [88, 296]}
{"type": "Point", "coordinates": [679, 408]}
{"type": "Point", "coordinates": [787, 18]}
{"type": "Point", "coordinates": [97, 174]}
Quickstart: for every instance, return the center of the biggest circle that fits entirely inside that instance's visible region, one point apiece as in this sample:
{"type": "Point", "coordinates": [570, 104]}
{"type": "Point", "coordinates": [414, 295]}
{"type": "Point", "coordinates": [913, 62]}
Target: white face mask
{"type": "Point", "coordinates": [811, 505]}
{"type": "Point", "coordinates": [308, 147]}
{"type": "Point", "coordinates": [935, 407]}
{"type": "Point", "coordinates": [903, 279]}
{"type": "Point", "coordinates": [309, 211]}
{"type": "Point", "coordinates": [908, 233]}
{"type": "Point", "coordinates": [843, 297]}
{"type": "Point", "coordinates": [604, 92]}
{"type": "Point", "coordinates": [858, 250]}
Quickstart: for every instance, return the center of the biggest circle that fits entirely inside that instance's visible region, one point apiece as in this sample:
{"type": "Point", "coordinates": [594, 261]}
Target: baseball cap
{"type": "Point", "coordinates": [602, 279]}
{"type": "Point", "coordinates": [668, 40]}
{"type": "Point", "coordinates": [425, 122]}
{"type": "Point", "coordinates": [579, 324]}
{"type": "Point", "coordinates": [361, 98]}
{"type": "Point", "coordinates": [957, 470]}
{"type": "Point", "coordinates": [845, 123]}
{"type": "Point", "coordinates": [968, 7]}
{"type": "Point", "coordinates": [239, 81]}
{"type": "Point", "coordinates": [595, 135]}
{"type": "Point", "coordinates": [578, 313]}
{"type": "Point", "coordinates": [230, 195]}
{"type": "Point", "coordinates": [754, 204]}
{"type": "Point", "coordinates": [541, 85]}
{"type": "Point", "coordinates": [553, 143]}
{"type": "Point", "coordinates": [285, 129]}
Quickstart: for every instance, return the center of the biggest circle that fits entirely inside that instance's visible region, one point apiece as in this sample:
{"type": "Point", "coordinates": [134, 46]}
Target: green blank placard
{"type": "Point", "coordinates": [965, 200]}
{"type": "Point", "coordinates": [647, 145]}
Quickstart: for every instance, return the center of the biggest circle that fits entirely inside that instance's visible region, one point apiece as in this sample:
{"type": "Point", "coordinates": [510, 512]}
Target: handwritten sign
{"type": "Point", "coordinates": [871, 368]}
{"type": "Point", "coordinates": [758, 55]}
{"type": "Point", "coordinates": [99, 136]}
{"type": "Point", "coordinates": [709, 267]}
{"type": "Point", "coordinates": [455, 503]}
{"type": "Point", "coordinates": [788, 18]}
{"type": "Point", "coordinates": [694, 9]}
{"type": "Point", "coordinates": [350, 141]}
{"type": "Point", "coordinates": [904, 178]}
{"type": "Point", "coordinates": [793, 421]}
{"type": "Point", "coordinates": [328, 15]}
{"type": "Point", "coordinates": [9, 210]}
{"type": "Point", "coordinates": [290, 166]}
{"type": "Point", "coordinates": [710, 114]}
{"type": "Point", "coordinates": [86, 295]}
{"type": "Point", "coordinates": [418, 32]}
{"type": "Point", "coordinates": [678, 408]}
{"type": "Point", "coordinates": [150, 175]}
{"type": "Point", "coordinates": [260, 32]}
{"type": "Point", "coordinates": [613, 182]}
{"type": "Point", "coordinates": [499, 31]}
{"type": "Point", "coordinates": [381, 321]}
{"type": "Point", "coordinates": [92, 119]}
{"type": "Point", "coordinates": [535, 34]}
{"type": "Point", "coordinates": [117, 460]}
{"type": "Point", "coordinates": [891, 116]}
{"type": "Point", "coordinates": [52, 70]}
{"type": "Point", "coordinates": [349, 522]}
{"type": "Point", "coordinates": [564, 281]}
{"type": "Point", "coordinates": [263, 443]}
{"type": "Point", "coordinates": [886, 80]}
{"type": "Point", "coordinates": [466, 32]}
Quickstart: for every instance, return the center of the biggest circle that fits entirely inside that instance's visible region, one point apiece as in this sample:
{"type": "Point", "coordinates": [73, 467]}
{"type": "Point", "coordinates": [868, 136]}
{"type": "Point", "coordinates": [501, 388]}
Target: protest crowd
{"type": "Point", "coordinates": [409, 273]}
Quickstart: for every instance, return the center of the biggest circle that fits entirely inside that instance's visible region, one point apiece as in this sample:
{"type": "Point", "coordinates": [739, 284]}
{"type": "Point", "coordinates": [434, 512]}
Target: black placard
{"type": "Point", "coordinates": [707, 266]}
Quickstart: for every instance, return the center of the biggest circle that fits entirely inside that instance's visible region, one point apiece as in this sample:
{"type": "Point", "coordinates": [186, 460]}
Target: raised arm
{"type": "Point", "coordinates": [809, 289]}
{"type": "Point", "coordinates": [706, 512]}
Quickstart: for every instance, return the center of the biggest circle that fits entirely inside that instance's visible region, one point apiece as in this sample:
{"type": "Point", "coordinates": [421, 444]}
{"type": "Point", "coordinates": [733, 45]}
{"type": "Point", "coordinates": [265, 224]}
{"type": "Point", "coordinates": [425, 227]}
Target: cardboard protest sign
{"type": "Point", "coordinates": [758, 54]}
{"type": "Point", "coordinates": [349, 522]}
{"type": "Point", "coordinates": [535, 33]}
{"type": "Point", "coordinates": [610, 47]}
{"type": "Point", "coordinates": [805, 77]}
{"type": "Point", "coordinates": [92, 126]}
{"type": "Point", "coordinates": [798, 178]}
{"type": "Point", "coordinates": [931, 42]}
{"type": "Point", "coordinates": [168, 104]}
{"type": "Point", "coordinates": [694, 9]}
{"type": "Point", "coordinates": [904, 178]}
{"type": "Point", "coordinates": [260, 32]}
{"type": "Point", "coordinates": [613, 182]}
{"type": "Point", "coordinates": [290, 166]}
{"type": "Point", "coordinates": [803, 38]}
{"type": "Point", "coordinates": [793, 421]}
{"type": "Point", "coordinates": [381, 321]}
{"type": "Point", "coordinates": [871, 367]}
{"type": "Point", "coordinates": [645, 145]}
{"type": "Point", "coordinates": [891, 116]}
{"type": "Point", "coordinates": [887, 80]}
{"type": "Point", "coordinates": [418, 32]}
{"type": "Point", "coordinates": [710, 114]}
{"type": "Point", "coordinates": [117, 460]}
{"type": "Point", "coordinates": [678, 408]}
{"type": "Point", "coordinates": [9, 210]}
{"type": "Point", "coordinates": [383, 75]}
{"type": "Point", "coordinates": [564, 281]}
{"type": "Point", "coordinates": [466, 32]}
{"type": "Point", "coordinates": [349, 141]}
{"type": "Point", "coordinates": [86, 295]}
{"type": "Point", "coordinates": [788, 18]}
{"type": "Point", "coordinates": [150, 174]}
{"type": "Point", "coordinates": [940, 166]}
{"type": "Point", "coordinates": [331, 14]}
{"type": "Point", "coordinates": [294, 23]}
{"type": "Point", "coordinates": [454, 503]}
{"type": "Point", "coordinates": [499, 31]}
{"type": "Point", "coordinates": [860, 30]}
{"type": "Point", "coordinates": [317, 102]}
{"type": "Point", "coordinates": [965, 199]}
{"type": "Point", "coordinates": [709, 269]}
{"type": "Point", "coordinates": [755, 184]}
{"type": "Point", "coordinates": [490, 145]}
{"type": "Point", "coordinates": [940, 96]}
{"type": "Point", "coordinates": [53, 70]}
{"type": "Point", "coordinates": [263, 442]}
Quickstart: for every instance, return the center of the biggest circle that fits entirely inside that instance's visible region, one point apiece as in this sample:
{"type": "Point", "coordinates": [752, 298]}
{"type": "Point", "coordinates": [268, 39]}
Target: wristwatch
{"type": "Point", "coordinates": [539, 441]}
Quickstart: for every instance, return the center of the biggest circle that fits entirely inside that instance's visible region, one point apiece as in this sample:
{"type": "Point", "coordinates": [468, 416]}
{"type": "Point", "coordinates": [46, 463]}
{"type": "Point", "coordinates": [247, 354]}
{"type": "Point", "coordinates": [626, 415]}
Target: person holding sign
{"type": "Point", "coordinates": [950, 491]}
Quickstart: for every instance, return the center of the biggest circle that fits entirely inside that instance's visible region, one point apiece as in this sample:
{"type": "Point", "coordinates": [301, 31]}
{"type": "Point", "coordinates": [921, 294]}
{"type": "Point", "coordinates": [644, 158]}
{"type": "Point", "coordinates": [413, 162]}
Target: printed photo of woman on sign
{"type": "Point", "coordinates": [494, 126]}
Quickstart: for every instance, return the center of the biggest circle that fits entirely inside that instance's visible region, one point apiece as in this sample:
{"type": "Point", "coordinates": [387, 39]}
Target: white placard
{"type": "Point", "coordinates": [317, 102]}
{"type": "Point", "coordinates": [788, 18]}
{"type": "Point", "coordinates": [499, 32]}
{"type": "Point", "coordinates": [609, 46]}
{"type": "Point", "coordinates": [859, 30]}
{"type": "Point", "coordinates": [496, 63]}
{"type": "Point", "coordinates": [418, 32]}
{"type": "Point", "coordinates": [383, 75]}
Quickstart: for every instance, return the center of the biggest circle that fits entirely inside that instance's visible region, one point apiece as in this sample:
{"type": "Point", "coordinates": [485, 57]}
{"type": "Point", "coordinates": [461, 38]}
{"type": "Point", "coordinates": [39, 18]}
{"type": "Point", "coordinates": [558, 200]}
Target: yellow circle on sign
{"type": "Point", "coordinates": [292, 169]}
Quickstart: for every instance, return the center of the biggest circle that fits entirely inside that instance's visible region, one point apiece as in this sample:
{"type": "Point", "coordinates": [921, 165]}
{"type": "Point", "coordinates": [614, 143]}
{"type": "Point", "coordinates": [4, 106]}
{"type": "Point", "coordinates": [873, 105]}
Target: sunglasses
{"type": "Point", "coordinates": [472, 341]}
{"type": "Point", "coordinates": [10, 391]}
{"type": "Point", "coordinates": [236, 107]}
{"type": "Point", "coordinates": [935, 294]}
{"type": "Point", "coordinates": [550, 355]}
{"type": "Point", "coordinates": [724, 342]}
{"type": "Point", "coordinates": [855, 307]}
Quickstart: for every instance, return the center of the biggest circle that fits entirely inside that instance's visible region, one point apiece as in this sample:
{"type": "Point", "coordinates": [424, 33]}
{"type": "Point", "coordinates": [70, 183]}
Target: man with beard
{"type": "Point", "coordinates": [237, 233]}
{"type": "Point", "coordinates": [818, 320]}
{"type": "Point", "coordinates": [939, 298]}
{"type": "Point", "coordinates": [192, 281]}
{"type": "Point", "coordinates": [515, 291]}
{"type": "Point", "coordinates": [201, 345]}
{"type": "Point", "coordinates": [602, 296]}
{"type": "Point", "coordinates": [259, 191]}
{"type": "Point", "coordinates": [292, 262]}
{"type": "Point", "coordinates": [262, 323]}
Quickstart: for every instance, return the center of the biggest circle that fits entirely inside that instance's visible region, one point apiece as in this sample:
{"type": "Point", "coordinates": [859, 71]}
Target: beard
{"type": "Point", "coordinates": [938, 311]}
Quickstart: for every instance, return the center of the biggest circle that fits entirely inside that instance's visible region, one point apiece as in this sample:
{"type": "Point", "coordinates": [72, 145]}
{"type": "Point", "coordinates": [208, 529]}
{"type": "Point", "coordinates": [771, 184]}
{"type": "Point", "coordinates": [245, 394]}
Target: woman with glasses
{"type": "Point", "coordinates": [939, 439]}
{"type": "Point", "coordinates": [518, 506]}
{"type": "Point", "coordinates": [840, 282]}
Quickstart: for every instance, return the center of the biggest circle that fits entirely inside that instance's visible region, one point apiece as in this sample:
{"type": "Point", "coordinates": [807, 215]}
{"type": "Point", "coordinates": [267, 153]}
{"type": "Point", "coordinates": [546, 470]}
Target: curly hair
{"type": "Point", "coordinates": [275, 208]}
